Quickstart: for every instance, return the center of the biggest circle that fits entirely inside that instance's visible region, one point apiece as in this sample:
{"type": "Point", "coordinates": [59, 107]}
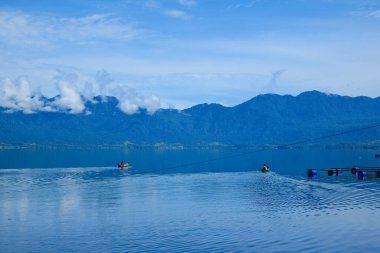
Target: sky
{"type": "Point", "coordinates": [178, 53]}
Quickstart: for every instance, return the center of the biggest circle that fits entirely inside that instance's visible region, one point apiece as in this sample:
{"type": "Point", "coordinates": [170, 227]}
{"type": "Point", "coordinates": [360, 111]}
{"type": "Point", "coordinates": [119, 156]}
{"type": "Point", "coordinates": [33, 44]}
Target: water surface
{"type": "Point", "coordinates": [78, 204]}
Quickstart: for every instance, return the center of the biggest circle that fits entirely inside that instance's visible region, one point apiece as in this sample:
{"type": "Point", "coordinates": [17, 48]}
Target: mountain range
{"type": "Point", "coordinates": [265, 119]}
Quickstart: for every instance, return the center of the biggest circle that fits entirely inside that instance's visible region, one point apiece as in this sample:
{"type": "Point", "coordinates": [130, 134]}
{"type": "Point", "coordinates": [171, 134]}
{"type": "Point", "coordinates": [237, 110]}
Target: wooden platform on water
{"type": "Point", "coordinates": [361, 172]}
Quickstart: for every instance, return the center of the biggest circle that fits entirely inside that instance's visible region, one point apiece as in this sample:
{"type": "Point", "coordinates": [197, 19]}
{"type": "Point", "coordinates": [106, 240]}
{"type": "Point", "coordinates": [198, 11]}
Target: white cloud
{"type": "Point", "coordinates": [68, 76]}
{"type": "Point", "coordinates": [103, 79]}
{"type": "Point", "coordinates": [19, 97]}
{"type": "Point", "coordinates": [130, 100]}
{"type": "Point", "coordinates": [248, 4]}
{"type": "Point", "coordinates": [24, 29]}
{"type": "Point", "coordinates": [375, 14]}
{"type": "Point", "coordinates": [17, 28]}
{"type": "Point", "coordinates": [89, 91]}
{"type": "Point", "coordinates": [188, 3]}
{"type": "Point", "coordinates": [128, 108]}
{"type": "Point", "coordinates": [174, 13]}
{"type": "Point", "coordinates": [69, 98]}
{"type": "Point", "coordinates": [152, 4]}
{"type": "Point", "coordinates": [94, 26]}
{"type": "Point", "coordinates": [152, 104]}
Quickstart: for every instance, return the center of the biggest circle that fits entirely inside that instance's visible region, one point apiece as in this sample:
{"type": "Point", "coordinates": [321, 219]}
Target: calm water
{"type": "Point", "coordinates": [76, 201]}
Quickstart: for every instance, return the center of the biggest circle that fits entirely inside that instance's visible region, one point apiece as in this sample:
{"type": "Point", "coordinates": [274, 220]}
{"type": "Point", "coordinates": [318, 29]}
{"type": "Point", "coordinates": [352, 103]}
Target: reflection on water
{"type": "Point", "coordinates": [102, 209]}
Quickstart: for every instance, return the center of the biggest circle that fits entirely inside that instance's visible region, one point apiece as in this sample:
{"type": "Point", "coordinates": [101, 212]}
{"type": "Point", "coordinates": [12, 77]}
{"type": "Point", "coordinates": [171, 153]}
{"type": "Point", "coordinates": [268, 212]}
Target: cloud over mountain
{"type": "Point", "coordinates": [69, 99]}
{"type": "Point", "coordinates": [265, 119]}
{"type": "Point", "coordinates": [19, 96]}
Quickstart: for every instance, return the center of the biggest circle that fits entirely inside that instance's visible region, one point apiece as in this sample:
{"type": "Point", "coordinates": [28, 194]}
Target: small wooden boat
{"type": "Point", "coordinates": [123, 165]}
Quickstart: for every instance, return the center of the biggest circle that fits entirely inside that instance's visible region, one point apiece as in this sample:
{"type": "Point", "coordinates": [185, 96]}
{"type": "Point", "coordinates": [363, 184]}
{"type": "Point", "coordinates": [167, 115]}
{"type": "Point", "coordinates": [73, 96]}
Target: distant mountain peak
{"type": "Point", "coordinates": [204, 106]}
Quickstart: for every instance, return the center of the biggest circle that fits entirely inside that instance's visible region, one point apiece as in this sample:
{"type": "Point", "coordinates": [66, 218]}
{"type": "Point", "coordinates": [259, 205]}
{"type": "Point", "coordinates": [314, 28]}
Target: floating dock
{"type": "Point", "coordinates": [361, 172]}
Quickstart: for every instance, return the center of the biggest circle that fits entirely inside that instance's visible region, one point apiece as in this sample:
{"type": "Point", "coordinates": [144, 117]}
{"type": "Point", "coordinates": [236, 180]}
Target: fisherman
{"type": "Point", "coordinates": [122, 165]}
{"type": "Point", "coordinates": [265, 168]}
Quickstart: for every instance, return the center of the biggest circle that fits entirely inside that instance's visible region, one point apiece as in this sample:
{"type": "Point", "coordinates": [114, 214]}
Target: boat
{"type": "Point", "coordinates": [265, 169]}
{"type": "Point", "coordinates": [123, 165]}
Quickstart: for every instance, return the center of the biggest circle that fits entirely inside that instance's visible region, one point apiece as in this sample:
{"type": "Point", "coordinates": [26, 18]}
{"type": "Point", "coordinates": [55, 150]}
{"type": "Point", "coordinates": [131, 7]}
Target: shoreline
{"type": "Point", "coordinates": [160, 146]}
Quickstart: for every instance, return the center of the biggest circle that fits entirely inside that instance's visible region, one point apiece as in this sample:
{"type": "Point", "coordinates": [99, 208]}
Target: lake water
{"type": "Point", "coordinates": [77, 201]}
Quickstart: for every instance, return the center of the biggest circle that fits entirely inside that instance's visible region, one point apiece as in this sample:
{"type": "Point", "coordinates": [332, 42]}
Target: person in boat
{"type": "Point", "coordinates": [265, 168]}
{"type": "Point", "coordinates": [122, 164]}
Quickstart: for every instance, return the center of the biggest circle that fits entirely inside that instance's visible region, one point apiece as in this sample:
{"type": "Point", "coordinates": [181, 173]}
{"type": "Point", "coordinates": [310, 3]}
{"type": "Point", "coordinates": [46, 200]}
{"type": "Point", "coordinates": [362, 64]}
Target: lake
{"type": "Point", "coordinates": [77, 201]}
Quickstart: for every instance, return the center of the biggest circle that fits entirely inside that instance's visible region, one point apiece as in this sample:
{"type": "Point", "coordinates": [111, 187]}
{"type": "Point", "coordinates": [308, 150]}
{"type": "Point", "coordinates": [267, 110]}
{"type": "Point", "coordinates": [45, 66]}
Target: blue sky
{"type": "Point", "coordinates": [177, 53]}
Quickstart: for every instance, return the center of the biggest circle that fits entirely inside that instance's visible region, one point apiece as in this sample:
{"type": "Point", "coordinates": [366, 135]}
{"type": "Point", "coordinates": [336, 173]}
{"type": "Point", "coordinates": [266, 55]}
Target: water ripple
{"type": "Point", "coordinates": [107, 210]}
